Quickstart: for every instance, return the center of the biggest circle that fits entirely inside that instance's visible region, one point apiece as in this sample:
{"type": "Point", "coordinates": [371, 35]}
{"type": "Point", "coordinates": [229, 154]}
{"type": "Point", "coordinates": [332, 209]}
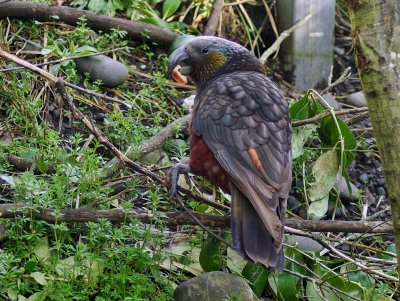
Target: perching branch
{"type": "Point", "coordinates": [86, 214]}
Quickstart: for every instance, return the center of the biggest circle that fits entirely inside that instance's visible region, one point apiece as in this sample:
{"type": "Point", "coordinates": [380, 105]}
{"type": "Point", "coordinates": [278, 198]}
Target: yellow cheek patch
{"type": "Point", "coordinates": [216, 59]}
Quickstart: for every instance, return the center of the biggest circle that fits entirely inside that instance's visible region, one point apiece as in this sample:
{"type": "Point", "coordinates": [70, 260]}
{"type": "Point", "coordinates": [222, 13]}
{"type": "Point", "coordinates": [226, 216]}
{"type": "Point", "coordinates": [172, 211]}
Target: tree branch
{"type": "Point", "coordinates": [30, 10]}
{"type": "Point", "coordinates": [82, 215]}
{"type": "Point", "coordinates": [212, 23]}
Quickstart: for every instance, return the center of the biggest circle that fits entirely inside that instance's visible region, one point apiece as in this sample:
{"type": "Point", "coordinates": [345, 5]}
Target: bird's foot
{"type": "Point", "coordinates": [177, 169]}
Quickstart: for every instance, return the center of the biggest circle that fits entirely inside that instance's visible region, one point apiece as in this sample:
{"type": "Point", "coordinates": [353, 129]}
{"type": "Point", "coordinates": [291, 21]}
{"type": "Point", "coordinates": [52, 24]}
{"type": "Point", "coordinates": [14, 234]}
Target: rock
{"type": "Point", "coordinates": [156, 157]}
{"type": "Point", "coordinates": [304, 243]}
{"type": "Point", "coordinates": [356, 99]}
{"type": "Point", "coordinates": [293, 204]}
{"type": "Point", "coordinates": [344, 190]}
{"type": "Point", "coordinates": [381, 191]}
{"type": "Point", "coordinates": [380, 181]}
{"type": "Point", "coordinates": [142, 67]}
{"type": "Point", "coordinates": [214, 286]}
{"type": "Point", "coordinates": [377, 164]}
{"type": "Point", "coordinates": [331, 100]}
{"type": "Point", "coordinates": [363, 178]}
{"type": "Point", "coordinates": [111, 72]}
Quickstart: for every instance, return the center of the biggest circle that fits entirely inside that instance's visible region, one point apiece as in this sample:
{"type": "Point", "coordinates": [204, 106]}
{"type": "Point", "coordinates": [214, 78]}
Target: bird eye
{"type": "Point", "coordinates": [204, 50]}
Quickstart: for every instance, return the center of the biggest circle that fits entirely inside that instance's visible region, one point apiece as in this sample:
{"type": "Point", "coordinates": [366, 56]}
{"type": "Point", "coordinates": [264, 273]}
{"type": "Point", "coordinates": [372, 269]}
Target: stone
{"type": "Point", "coordinates": [380, 181]}
{"type": "Point", "coordinates": [100, 67]}
{"type": "Point", "coordinates": [293, 204]}
{"type": "Point", "coordinates": [381, 191]}
{"type": "Point", "coordinates": [363, 178]}
{"type": "Point", "coordinates": [214, 286]}
{"type": "Point", "coordinates": [331, 100]}
{"type": "Point", "coordinates": [344, 190]}
{"type": "Point", "coordinates": [304, 243]}
{"type": "Point", "coordinates": [356, 99]}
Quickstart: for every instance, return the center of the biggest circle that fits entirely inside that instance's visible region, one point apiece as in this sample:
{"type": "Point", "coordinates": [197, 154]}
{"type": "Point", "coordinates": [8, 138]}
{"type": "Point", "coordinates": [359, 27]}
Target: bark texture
{"type": "Point", "coordinates": [376, 38]}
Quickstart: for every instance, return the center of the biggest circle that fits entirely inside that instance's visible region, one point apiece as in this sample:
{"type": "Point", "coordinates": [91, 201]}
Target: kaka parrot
{"type": "Point", "coordinates": [240, 139]}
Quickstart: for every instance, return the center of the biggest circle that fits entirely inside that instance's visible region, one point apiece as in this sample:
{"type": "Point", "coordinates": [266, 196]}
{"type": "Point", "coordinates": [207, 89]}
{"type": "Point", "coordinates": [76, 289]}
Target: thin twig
{"type": "Point", "coordinates": [67, 58]}
{"type": "Point", "coordinates": [275, 46]}
{"type": "Point", "coordinates": [212, 23]}
{"type": "Point", "coordinates": [320, 116]}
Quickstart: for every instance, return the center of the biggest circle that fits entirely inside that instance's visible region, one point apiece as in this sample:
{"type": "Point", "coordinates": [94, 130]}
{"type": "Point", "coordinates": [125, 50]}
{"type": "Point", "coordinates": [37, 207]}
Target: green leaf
{"type": "Point", "coordinates": [300, 136]}
{"type": "Point", "coordinates": [86, 49]}
{"type": "Point", "coordinates": [287, 286]}
{"type": "Point", "coordinates": [41, 165]}
{"type": "Point", "coordinates": [45, 51]}
{"type": "Point", "coordinates": [234, 262]}
{"type": "Point", "coordinates": [12, 293]}
{"type": "Point", "coordinates": [97, 5]}
{"type": "Point", "coordinates": [342, 287]}
{"type": "Point", "coordinates": [170, 7]}
{"type": "Point", "coordinates": [318, 209]}
{"type": "Point", "coordinates": [30, 266]}
{"type": "Point", "coordinates": [211, 258]}
{"type": "Point", "coordinates": [155, 20]}
{"type": "Point", "coordinates": [306, 107]}
{"type": "Point", "coordinates": [324, 170]}
{"type": "Point", "coordinates": [257, 275]}
{"type": "Point", "coordinates": [39, 278]}
{"type": "Point", "coordinates": [42, 250]}
{"type": "Point", "coordinates": [39, 296]}
{"type": "Point", "coordinates": [329, 135]}
{"type": "Point", "coordinates": [390, 248]}
{"type": "Point", "coordinates": [118, 4]}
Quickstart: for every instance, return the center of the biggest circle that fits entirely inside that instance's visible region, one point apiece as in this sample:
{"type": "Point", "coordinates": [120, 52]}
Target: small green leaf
{"type": "Point", "coordinates": [97, 5]}
{"type": "Point", "coordinates": [211, 258]}
{"type": "Point", "coordinates": [257, 275]}
{"type": "Point", "coordinates": [41, 165]}
{"type": "Point", "coordinates": [30, 266]}
{"type": "Point", "coordinates": [45, 51]}
{"type": "Point", "coordinates": [41, 249]}
{"type": "Point", "coordinates": [234, 262]}
{"type": "Point", "coordinates": [86, 49]}
{"type": "Point", "coordinates": [118, 4]}
{"type": "Point", "coordinates": [39, 296]}
{"type": "Point", "coordinates": [155, 20]}
{"type": "Point", "coordinates": [318, 209]}
{"type": "Point", "coordinates": [12, 293]}
{"type": "Point", "coordinates": [39, 277]}
{"type": "Point", "coordinates": [170, 7]}
{"type": "Point", "coordinates": [306, 107]}
{"type": "Point", "coordinates": [300, 136]}
{"type": "Point", "coordinates": [329, 135]}
{"type": "Point", "coordinates": [324, 170]}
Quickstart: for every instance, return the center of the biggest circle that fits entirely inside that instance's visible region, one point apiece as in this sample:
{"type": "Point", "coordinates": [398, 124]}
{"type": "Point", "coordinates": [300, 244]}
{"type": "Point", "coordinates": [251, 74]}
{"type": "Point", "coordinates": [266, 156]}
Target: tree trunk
{"type": "Point", "coordinates": [376, 38]}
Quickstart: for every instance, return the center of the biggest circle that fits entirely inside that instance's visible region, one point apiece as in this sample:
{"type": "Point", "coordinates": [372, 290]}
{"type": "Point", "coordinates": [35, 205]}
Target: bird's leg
{"type": "Point", "coordinates": [177, 169]}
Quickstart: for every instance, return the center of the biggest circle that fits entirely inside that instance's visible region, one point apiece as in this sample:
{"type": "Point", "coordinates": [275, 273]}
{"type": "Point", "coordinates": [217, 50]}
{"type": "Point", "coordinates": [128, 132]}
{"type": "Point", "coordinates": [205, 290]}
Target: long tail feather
{"type": "Point", "coordinates": [250, 237]}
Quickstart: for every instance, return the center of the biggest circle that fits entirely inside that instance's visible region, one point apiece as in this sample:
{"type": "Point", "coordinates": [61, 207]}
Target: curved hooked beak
{"type": "Point", "coordinates": [178, 67]}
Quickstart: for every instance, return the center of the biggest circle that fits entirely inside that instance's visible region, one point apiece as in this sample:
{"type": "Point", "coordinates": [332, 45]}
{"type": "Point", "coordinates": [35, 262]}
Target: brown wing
{"type": "Point", "coordinates": [243, 119]}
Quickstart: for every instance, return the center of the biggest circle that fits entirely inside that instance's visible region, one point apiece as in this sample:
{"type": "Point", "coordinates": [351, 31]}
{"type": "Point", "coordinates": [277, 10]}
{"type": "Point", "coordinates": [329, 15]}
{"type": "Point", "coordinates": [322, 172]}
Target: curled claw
{"type": "Point", "coordinates": [176, 170]}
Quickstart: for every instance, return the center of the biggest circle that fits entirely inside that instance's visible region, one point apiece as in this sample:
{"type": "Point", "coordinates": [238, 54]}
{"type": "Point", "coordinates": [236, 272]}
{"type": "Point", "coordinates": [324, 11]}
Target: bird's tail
{"type": "Point", "coordinates": [250, 237]}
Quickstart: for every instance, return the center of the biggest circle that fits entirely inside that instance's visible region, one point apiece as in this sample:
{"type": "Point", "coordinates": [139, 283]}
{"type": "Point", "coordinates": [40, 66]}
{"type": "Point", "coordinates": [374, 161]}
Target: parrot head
{"type": "Point", "coordinates": [202, 58]}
